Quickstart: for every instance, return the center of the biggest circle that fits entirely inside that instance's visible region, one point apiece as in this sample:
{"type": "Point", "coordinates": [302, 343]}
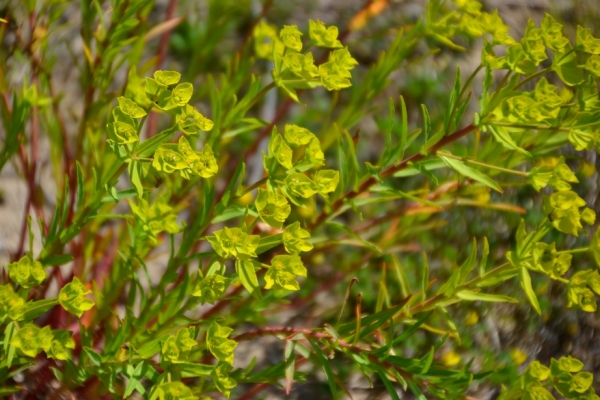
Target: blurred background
{"type": "Point", "coordinates": [202, 38]}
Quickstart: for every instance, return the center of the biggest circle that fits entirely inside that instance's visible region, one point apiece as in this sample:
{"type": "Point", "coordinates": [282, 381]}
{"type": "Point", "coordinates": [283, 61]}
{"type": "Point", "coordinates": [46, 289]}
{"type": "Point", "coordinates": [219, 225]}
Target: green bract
{"type": "Point", "coordinates": [191, 121]}
{"type": "Point", "coordinates": [326, 181]}
{"type": "Point", "coordinates": [167, 78]}
{"type": "Point", "coordinates": [281, 151]}
{"type": "Point", "coordinates": [552, 33]}
{"type": "Point", "coordinates": [300, 185]}
{"type": "Point", "coordinates": [130, 108]}
{"type": "Point", "coordinates": [290, 36]}
{"type": "Point", "coordinates": [72, 298]}
{"type": "Point", "coordinates": [333, 76]}
{"type": "Point", "coordinates": [283, 271]}
{"type": "Point", "coordinates": [323, 36]}
{"type": "Point", "coordinates": [297, 136]}
{"type": "Point", "coordinates": [26, 272]}
{"type": "Point", "coordinates": [218, 344]}
{"type": "Point", "coordinates": [301, 65]}
{"type": "Point", "coordinates": [293, 239]}
{"type": "Point", "coordinates": [124, 132]}
{"type": "Point", "coordinates": [233, 242]}
{"type": "Point", "coordinates": [272, 208]}
{"type": "Point", "coordinates": [211, 287]}
{"type": "Point", "coordinates": [180, 95]}
{"type": "Point", "coordinates": [314, 155]}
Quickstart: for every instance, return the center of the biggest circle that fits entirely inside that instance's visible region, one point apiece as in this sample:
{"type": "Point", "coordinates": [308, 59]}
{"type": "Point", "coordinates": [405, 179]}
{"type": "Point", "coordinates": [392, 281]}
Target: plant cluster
{"type": "Point", "coordinates": [88, 307]}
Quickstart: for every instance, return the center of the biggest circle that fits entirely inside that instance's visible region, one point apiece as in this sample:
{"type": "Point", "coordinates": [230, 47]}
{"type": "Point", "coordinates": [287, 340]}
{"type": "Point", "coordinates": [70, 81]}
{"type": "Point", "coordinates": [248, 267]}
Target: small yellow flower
{"type": "Point", "coordinates": [518, 356]}
{"type": "Point", "coordinates": [451, 358]}
{"type": "Point", "coordinates": [245, 199]}
{"type": "Point", "coordinates": [472, 318]}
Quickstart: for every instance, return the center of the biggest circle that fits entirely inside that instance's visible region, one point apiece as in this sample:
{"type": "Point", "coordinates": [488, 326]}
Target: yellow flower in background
{"type": "Point", "coordinates": [518, 356]}
{"type": "Point", "coordinates": [472, 318]}
{"type": "Point", "coordinates": [451, 358]}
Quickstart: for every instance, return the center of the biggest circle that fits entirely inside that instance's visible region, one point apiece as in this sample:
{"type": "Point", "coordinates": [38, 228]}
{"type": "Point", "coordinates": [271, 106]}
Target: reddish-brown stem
{"type": "Point", "coordinates": [366, 184]}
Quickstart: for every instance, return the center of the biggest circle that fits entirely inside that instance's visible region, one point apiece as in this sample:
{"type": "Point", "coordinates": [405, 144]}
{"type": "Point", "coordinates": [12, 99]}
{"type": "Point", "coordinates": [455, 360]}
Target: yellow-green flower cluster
{"type": "Point", "coordinates": [30, 340]}
{"type": "Point", "coordinates": [563, 207]}
{"type": "Point", "coordinates": [283, 271]}
{"type": "Point", "coordinates": [12, 306]}
{"type": "Point", "coordinates": [541, 105]}
{"type": "Point", "coordinates": [181, 157]}
{"type": "Point", "coordinates": [218, 344]}
{"type": "Point", "coordinates": [295, 70]}
{"type": "Point", "coordinates": [26, 272]}
{"type": "Point", "coordinates": [581, 289]}
{"type": "Point", "coordinates": [72, 297]}
{"type": "Point", "coordinates": [553, 172]}
{"type": "Point", "coordinates": [546, 260]}
{"type": "Point", "coordinates": [176, 348]}
{"type": "Point", "coordinates": [156, 218]}
{"type": "Point", "coordinates": [565, 376]}
{"type": "Point", "coordinates": [211, 288]}
{"type": "Point", "coordinates": [234, 242]}
{"type": "Point", "coordinates": [265, 37]}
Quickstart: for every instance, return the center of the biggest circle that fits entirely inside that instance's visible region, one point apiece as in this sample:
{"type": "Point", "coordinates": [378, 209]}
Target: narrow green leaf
{"type": "Point", "coordinates": [34, 309]}
{"type": "Point", "coordinates": [384, 161]}
{"type": "Point", "coordinates": [426, 128]}
{"type": "Point", "coordinates": [469, 264]}
{"type": "Point", "coordinates": [424, 276]}
{"type": "Point", "coordinates": [268, 242]}
{"type": "Point", "coordinates": [525, 280]}
{"type": "Point", "coordinates": [469, 172]}
{"type": "Point", "coordinates": [484, 257]}
{"type": "Point", "coordinates": [349, 232]}
{"type": "Point", "coordinates": [501, 135]}
{"type": "Point", "coordinates": [386, 381]}
{"type": "Point", "coordinates": [79, 186]}
{"type": "Point", "coordinates": [93, 356]}
{"type": "Point", "coordinates": [416, 391]}
{"type": "Point", "coordinates": [58, 260]}
{"type": "Point", "coordinates": [290, 362]}
{"type": "Point", "coordinates": [247, 275]}
{"type": "Point", "coordinates": [326, 367]}
{"type": "Point", "coordinates": [401, 275]}
{"type": "Point", "coordinates": [404, 130]}
{"type": "Point", "coordinates": [427, 360]}
{"type": "Point", "coordinates": [476, 296]}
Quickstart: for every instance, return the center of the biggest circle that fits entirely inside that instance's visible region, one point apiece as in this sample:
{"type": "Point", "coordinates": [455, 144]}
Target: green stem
{"type": "Point", "coordinates": [573, 251]}
{"type": "Point", "coordinates": [254, 186]}
{"type": "Point", "coordinates": [532, 77]}
{"type": "Point", "coordinates": [525, 126]}
{"type": "Point", "coordinates": [261, 94]}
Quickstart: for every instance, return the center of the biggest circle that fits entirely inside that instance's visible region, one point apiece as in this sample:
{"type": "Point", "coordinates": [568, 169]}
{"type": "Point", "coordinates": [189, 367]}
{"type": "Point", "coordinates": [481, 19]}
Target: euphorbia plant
{"type": "Point", "coordinates": [98, 315]}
